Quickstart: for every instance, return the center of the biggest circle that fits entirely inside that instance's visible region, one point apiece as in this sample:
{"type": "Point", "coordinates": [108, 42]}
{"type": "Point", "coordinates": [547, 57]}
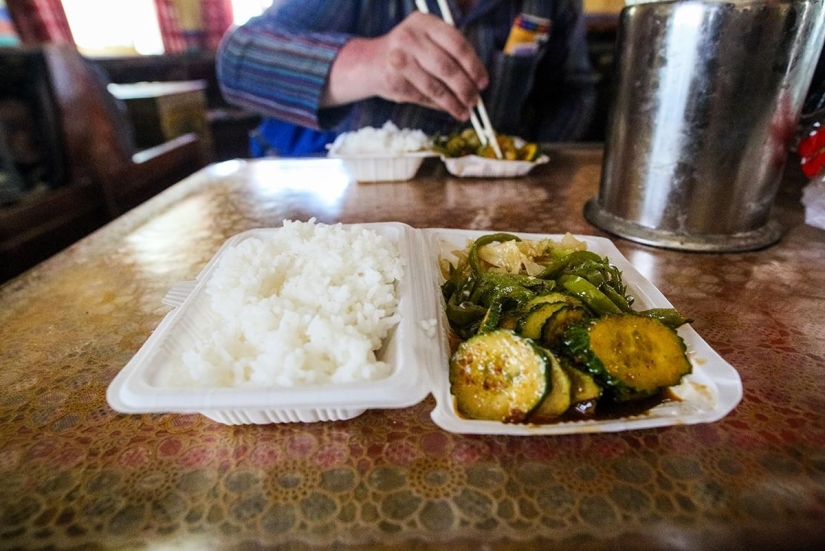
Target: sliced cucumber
{"type": "Point", "coordinates": [498, 376]}
{"type": "Point", "coordinates": [531, 323]}
{"type": "Point", "coordinates": [555, 326]}
{"type": "Point", "coordinates": [632, 356]}
{"type": "Point", "coordinates": [583, 387]}
{"type": "Point", "coordinates": [554, 296]}
{"type": "Point", "coordinates": [509, 320]}
{"type": "Point", "coordinates": [557, 399]}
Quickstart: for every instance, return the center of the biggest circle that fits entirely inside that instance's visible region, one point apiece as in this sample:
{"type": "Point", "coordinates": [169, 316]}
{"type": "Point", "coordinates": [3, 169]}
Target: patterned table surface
{"type": "Point", "coordinates": [74, 474]}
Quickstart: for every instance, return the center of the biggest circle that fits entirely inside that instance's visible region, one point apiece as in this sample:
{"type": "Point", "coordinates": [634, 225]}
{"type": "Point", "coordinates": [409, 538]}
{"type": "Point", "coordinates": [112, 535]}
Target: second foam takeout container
{"type": "Point", "coordinates": [383, 167]}
{"type": "Point", "coordinates": [473, 166]}
{"type": "Point", "coordinates": [417, 350]}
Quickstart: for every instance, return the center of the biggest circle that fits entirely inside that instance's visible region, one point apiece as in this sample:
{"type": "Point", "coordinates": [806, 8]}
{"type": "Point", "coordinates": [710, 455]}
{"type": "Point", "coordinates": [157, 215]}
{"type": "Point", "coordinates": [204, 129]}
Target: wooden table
{"type": "Point", "coordinates": [76, 475]}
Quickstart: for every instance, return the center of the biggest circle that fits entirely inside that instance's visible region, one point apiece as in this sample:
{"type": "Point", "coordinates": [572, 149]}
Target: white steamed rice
{"type": "Point", "coordinates": [311, 306]}
{"type": "Point", "coordinates": [388, 139]}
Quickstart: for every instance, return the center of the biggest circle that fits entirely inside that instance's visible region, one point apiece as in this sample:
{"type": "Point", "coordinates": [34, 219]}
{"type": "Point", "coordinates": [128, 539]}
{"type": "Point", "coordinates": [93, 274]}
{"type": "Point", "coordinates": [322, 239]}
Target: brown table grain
{"type": "Point", "coordinates": [76, 475]}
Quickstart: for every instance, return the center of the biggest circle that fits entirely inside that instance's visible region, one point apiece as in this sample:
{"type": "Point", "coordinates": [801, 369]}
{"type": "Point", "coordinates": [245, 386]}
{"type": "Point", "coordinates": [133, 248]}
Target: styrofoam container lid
{"type": "Point", "coordinates": [417, 351]}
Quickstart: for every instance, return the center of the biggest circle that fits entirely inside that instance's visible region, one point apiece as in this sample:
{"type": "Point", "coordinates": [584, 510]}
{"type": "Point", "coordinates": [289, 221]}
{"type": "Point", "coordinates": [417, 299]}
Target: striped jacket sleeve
{"type": "Point", "coordinates": [277, 64]}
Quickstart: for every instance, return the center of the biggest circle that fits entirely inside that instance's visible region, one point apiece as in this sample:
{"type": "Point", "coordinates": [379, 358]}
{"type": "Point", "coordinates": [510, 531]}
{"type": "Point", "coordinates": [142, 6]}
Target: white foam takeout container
{"type": "Point", "coordinates": [419, 358]}
{"type": "Point", "coordinates": [383, 167]}
{"type": "Point", "coordinates": [473, 166]}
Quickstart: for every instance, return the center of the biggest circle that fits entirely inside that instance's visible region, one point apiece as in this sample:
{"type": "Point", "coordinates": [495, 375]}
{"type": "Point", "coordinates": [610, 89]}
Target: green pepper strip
{"type": "Point", "coordinates": [589, 294]}
{"type": "Point", "coordinates": [617, 283]}
{"type": "Point", "coordinates": [580, 257]}
{"type": "Point", "coordinates": [594, 276]}
{"type": "Point", "coordinates": [522, 280]}
{"type": "Point", "coordinates": [517, 287]}
{"type": "Point", "coordinates": [615, 297]}
{"type": "Point", "coordinates": [486, 240]}
{"type": "Point", "coordinates": [669, 316]}
{"type": "Point", "coordinates": [571, 259]}
{"type": "Point", "coordinates": [514, 294]}
{"type": "Point", "coordinates": [482, 293]}
{"type": "Point", "coordinates": [466, 287]}
{"type": "Point", "coordinates": [491, 318]}
{"type": "Point", "coordinates": [463, 313]}
{"type": "Point", "coordinates": [601, 275]}
{"type": "Point", "coordinates": [448, 289]}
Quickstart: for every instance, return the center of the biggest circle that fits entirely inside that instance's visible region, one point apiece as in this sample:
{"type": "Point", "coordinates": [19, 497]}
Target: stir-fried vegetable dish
{"type": "Point", "coordinates": [466, 142]}
{"type": "Point", "coordinates": [548, 331]}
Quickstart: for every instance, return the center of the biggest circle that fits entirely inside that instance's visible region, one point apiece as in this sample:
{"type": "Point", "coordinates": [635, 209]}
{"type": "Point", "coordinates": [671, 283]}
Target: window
{"type": "Point", "coordinates": [103, 27]}
{"type": "Point", "coordinates": [124, 27]}
{"type": "Point", "coordinates": [242, 10]}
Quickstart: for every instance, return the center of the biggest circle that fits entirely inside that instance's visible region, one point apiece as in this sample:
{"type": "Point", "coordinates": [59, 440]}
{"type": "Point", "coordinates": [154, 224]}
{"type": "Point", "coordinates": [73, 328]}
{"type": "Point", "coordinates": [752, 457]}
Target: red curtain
{"type": "Point", "coordinates": [214, 18]}
{"type": "Point", "coordinates": [217, 18]}
{"type": "Point", "coordinates": [38, 21]}
{"type": "Point", "coordinates": [170, 30]}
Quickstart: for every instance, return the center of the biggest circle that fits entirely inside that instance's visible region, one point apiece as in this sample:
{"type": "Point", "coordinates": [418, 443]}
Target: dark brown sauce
{"type": "Point", "coordinates": [600, 410]}
{"type": "Point", "coordinates": [608, 409]}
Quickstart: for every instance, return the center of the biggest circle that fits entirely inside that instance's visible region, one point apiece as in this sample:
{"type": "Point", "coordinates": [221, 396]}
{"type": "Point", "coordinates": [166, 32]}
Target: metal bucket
{"type": "Point", "coordinates": [705, 104]}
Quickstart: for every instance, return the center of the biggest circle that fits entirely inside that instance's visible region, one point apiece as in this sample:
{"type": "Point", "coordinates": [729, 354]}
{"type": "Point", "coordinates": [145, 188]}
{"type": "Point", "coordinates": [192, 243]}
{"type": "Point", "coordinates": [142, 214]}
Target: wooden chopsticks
{"type": "Point", "coordinates": [484, 129]}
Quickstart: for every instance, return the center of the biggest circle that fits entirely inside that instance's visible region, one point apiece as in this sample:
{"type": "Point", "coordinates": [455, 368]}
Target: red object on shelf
{"type": "Point", "coordinates": [811, 150]}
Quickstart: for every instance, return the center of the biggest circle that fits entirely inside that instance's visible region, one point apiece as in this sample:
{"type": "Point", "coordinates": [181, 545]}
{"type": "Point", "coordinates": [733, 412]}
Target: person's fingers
{"type": "Point", "coordinates": [408, 81]}
{"type": "Point", "coordinates": [448, 71]}
{"type": "Point", "coordinates": [413, 95]}
{"type": "Point", "coordinates": [450, 40]}
{"type": "Point", "coordinates": [428, 62]}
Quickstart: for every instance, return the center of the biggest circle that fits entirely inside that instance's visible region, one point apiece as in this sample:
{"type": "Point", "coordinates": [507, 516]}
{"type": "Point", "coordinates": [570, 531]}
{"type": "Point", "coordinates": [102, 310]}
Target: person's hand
{"type": "Point", "coordinates": [426, 61]}
{"type": "Point", "coordinates": [423, 60]}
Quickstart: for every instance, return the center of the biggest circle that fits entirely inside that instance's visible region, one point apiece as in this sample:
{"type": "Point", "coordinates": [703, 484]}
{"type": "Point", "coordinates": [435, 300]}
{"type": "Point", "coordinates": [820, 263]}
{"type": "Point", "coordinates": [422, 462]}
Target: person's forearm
{"type": "Point", "coordinates": [352, 76]}
{"type": "Point", "coordinates": [289, 84]}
